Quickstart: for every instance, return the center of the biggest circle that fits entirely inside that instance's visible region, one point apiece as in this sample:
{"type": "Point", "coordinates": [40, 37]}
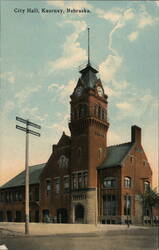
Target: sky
{"type": "Point", "coordinates": [40, 58]}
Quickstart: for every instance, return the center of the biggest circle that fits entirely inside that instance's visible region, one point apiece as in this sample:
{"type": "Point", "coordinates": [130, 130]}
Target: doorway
{"type": "Point", "coordinates": [62, 216]}
{"type": "Point", "coordinates": [9, 216]}
{"type": "Point", "coordinates": [36, 218]}
{"type": "Point", "coordinates": [46, 216]}
{"type": "Point", "coordinates": [79, 213]}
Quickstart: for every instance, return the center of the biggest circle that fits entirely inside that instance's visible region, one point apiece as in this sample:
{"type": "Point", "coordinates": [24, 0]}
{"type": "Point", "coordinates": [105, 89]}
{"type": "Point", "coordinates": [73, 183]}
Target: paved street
{"type": "Point", "coordinates": [138, 239]}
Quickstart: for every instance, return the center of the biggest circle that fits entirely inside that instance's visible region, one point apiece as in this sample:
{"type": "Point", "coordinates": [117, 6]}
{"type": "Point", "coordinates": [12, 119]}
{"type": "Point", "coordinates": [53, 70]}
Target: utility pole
{"type": "Point", "coordinates": [27, 131]}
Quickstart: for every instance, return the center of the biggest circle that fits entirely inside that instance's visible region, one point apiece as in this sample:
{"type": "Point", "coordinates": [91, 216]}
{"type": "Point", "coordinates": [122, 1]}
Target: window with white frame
{"type": "Point", "coordinates": [66, 183]}
{"type": "Point", "coordinates": [146, 185]}
{"type": "Point", "coordinates": [109, 182]}
{"type": "Point", "coordinates": [127, 205]}
{"type": "Point", "coordinates": [127, 182]}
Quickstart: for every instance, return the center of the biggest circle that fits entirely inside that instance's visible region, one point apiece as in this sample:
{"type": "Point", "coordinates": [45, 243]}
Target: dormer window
{"type": "Point", "coordinates": [127, 182]}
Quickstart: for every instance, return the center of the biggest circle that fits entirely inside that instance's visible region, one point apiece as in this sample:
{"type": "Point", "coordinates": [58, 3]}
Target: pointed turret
{"type": "Point", "coordinates": [88, 74]}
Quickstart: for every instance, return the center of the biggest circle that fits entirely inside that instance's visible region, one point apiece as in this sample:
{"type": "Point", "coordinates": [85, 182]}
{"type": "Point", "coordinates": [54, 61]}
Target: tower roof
{"type": "Point", "coordinates": [88, 76]}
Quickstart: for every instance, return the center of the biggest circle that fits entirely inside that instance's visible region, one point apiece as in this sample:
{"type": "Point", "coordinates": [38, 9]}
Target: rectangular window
{"type": "Point", "coordinates": [30, 195]}
{"type": "Point", "coordinates": [19, 196]}
{"type": "Point", "coordinates": [127, 182]}
{"type": "Point", "coordinates": [66, 183]}
{"type": "Point", "coordinates": [2, 197]}
{"type": "Point", "coordinates": [109, 205]}
{"type": "Point", "coordinates": [57, 185]}
{"type": "Point", "coordinates": [7, 196]}
{"type": "Point", "coordinates": [109, 182]}
{"type": "Point", "coordinates": [74, 181]}
{"type": "Point", "coordinates": [10, 196]}
{"type": "Point", "coordinates": [80, 180]}
{"type": "Point", "coordinates": [85, 179]}
{"type": "Point", "coordinates": [48, 186]}
{"type": "Point", "coordinates": [37, 193]}
{"type": "Point", "coordinates": [127, 205]}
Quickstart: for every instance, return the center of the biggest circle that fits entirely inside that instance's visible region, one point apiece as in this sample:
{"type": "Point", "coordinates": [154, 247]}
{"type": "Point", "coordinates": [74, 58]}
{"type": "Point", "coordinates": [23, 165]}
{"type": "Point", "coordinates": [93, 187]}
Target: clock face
{"type": "Point", "coordinates": [78, 91]}
{"type": "Point", "coordinates": [100, 91]}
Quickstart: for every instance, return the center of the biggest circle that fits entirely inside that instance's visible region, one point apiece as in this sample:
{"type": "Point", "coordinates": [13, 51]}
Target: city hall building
{"type": "Point", "coordinates": [84, 180]}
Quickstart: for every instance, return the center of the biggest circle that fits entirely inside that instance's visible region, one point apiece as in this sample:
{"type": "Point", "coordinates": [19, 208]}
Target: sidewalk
{"type": "Point", "coordinates": [52, 229]}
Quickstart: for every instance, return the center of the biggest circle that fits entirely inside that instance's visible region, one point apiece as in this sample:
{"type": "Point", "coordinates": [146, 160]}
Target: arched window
{"type": "Point", "coordinates": [79, 152]}
{"type": "Point", "coordinates": [99, 112]}
{"type": "Point", "coordinates": [99, 153]}
{"type": "Point", "coordinates": [146, 185]}
{"type": "Point", "coordinates": [80, 111]}
{"type": "Point", "coordinates": [95, 110]}
{"type": "Point", "coordinates": [75, 114]}
{"type": "Point", "coordinates": [127, 182]}
{"type": "Point", "coordinates": [103, 114]}
{"type": "Point", "coordinates": [85, 109]}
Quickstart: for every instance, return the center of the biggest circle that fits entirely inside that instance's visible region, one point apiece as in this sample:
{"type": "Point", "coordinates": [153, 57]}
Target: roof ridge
{"type": "Point", "coordinates": [120, 144]}
{"type": "Point", "coordinates": [37, 164]}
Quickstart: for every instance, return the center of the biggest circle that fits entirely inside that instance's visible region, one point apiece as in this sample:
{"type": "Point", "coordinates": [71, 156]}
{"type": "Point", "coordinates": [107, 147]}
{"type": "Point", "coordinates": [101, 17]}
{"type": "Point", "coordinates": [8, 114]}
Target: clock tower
{"type": "Point", "coordinates": [88, 126]}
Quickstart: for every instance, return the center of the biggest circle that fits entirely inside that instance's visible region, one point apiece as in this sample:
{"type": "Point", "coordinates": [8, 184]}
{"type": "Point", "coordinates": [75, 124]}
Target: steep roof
{"type": "Point", "coordinates": [19, 180]}
{"type": "Point", "coordinates": [88, 77]}
{"type": "Point", "coordinates": [115, 155]}
{"type": "Point", "coordinates": [64, 140]}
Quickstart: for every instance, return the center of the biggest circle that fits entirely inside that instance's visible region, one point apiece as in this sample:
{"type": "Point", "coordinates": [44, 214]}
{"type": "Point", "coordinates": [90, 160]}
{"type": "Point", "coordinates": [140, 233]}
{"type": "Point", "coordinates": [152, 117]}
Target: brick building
{"type": "Point", "coordinates": [84, 180]}
{"type": "Point", "coordinates": [12, 196]}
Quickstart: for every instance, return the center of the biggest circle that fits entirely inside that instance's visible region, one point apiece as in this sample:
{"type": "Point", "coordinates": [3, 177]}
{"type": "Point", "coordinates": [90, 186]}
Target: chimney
{"type": "Point", "coordinates": [136, 134]}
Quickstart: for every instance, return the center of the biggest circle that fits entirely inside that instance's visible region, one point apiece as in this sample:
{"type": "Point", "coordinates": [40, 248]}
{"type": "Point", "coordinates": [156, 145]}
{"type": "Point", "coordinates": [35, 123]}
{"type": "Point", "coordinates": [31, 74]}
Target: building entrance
{"type": "Point", "coordinates": [36, 219]}
{"type": "Point", "coordinates": [79, 213]}
{"type": "Point", "coordinates": [62, 216]}
{"type": "Point", "coordinates": [9, 216]}
{"type": "Point", "coordinates": [18, 216]}
{"type": "Point", "coordinates": [46, 216]}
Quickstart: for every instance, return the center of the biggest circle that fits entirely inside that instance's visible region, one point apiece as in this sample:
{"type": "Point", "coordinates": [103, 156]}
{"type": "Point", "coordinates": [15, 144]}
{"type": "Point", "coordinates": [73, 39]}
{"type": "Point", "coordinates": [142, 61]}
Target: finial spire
{"type": "Point", "coordinates": [88, 49]}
